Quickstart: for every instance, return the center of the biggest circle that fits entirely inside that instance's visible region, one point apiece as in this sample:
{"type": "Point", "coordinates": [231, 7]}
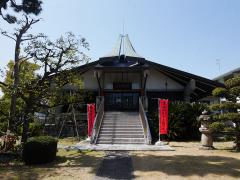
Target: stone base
{"type": "Point", "coordinates": [161, 143]}
{"type": "Point", "coordinates": [88, 139]}
{"type": "Point", "coordinates": [206, 148]}
{"type": "Point", "coordinates": [121, 147]}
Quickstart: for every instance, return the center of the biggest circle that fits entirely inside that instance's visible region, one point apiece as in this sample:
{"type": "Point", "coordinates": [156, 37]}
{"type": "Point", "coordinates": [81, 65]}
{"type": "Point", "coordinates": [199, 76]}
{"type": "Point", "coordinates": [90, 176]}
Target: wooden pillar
{"type": "Point", "coordinates": [97, 74]}
{"type": "Point", "coordinates": [189, 88]}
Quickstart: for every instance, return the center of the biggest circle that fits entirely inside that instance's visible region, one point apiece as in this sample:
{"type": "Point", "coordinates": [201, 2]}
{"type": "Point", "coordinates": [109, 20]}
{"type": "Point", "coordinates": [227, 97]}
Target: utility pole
{"type": "Point", "coordinates": [218, 63]}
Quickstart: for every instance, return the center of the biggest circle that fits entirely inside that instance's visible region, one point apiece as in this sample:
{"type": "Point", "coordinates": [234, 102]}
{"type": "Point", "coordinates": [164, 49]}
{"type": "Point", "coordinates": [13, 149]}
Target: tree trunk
{"type": "Point", "coordinates": [25, 128]}
{"type": "Point", "coordinates": [13, 105]}
{"type": "Point", "coordinates": [237, 137]}
{"type": "Point", "coordinates": [28, 113]}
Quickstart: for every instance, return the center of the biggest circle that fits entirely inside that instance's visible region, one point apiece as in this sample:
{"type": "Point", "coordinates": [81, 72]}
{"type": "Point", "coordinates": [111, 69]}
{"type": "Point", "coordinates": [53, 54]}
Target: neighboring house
{"type": "Point", "coordinates": [221, 79]}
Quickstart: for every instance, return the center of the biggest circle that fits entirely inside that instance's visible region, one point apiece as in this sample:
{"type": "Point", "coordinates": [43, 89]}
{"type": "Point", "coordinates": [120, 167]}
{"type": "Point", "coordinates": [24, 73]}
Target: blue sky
{"type": "Point", "coordinates": [185, 34]}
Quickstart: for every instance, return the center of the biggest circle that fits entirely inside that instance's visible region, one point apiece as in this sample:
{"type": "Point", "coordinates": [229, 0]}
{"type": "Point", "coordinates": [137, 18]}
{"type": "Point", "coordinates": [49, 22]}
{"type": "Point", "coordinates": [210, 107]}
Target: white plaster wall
{"type": "Point", "coordinates": [89, 81]}
{"type": "Point", "coordinates": [110, 78]}
{"type": "Point", "coordinates": [156, 81]}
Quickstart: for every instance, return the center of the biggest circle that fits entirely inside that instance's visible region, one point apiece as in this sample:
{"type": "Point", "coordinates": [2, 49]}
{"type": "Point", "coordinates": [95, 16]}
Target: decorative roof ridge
{"type": "Point", "coordinates": [124, 47]}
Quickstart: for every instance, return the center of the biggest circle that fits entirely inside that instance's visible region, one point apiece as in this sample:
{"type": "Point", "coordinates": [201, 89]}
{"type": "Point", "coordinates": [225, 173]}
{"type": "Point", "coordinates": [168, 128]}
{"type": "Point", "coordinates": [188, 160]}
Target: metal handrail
{"type": "Point", "coordinates": [146, 129]}
{"type": "Point", "coordinates": [97, 122]}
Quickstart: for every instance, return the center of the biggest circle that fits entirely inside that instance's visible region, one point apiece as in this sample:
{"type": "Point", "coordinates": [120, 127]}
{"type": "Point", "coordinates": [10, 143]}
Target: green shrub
{"type": "Point", "coordinates": [3, 127]}
{"type": "Point", "coordinates": [41, 149]}
{"type": "Point", "coordinates": [35, 129]}
{"type": "Point", "coordinates": [183, 124]}
{"type": "Point", "coordinates": [219, 92]}
{"type": "Point", "coordinates": [217, 126]}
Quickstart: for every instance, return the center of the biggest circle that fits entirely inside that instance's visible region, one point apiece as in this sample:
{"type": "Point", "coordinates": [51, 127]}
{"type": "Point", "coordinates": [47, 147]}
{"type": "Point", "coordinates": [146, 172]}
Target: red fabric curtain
{"type": "Point", "coordinates": [163, 116]}
{"type": "Point", "coordinates": [91, 117]}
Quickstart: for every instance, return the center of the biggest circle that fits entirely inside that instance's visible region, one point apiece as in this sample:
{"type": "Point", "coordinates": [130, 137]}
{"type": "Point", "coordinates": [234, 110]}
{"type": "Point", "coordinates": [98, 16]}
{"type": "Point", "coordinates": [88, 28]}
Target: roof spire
{"type": "Point", "coordinates": [123, 35]}
{"type": "Point", "coordinates": [123, 26]}
{"type": "Point", "coordinates": [123, 47]}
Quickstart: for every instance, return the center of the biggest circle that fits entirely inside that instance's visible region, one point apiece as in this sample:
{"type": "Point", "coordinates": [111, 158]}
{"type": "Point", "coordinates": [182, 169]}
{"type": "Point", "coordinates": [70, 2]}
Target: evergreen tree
{"type": "Point", "coordinates": [26, 75]}
{"type": "Point", "coordinates": [229, 110]}
{"type": "Point", "coordinates": [26, 6]}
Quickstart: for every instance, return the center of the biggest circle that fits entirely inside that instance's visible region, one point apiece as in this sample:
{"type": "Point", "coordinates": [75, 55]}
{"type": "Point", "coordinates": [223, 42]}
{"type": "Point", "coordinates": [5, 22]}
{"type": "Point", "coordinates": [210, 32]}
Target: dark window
{"type": "Point", "coordinates": [122, 86]}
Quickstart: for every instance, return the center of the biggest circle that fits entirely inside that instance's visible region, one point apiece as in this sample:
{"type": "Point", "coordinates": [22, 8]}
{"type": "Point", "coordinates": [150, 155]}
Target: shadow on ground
{"type": "Point", "coordinates": [115, 165]}
{"type": "Point", "coordinates": [72, 161]}
{"type": "Point", "coordinates": [187, 165]}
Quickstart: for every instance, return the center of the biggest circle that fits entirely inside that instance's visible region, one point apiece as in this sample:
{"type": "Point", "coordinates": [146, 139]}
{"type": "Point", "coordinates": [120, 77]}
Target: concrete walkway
{"type": "Point", "coordinates": [117, 147]}
{"type": "Point", "coordinates": [115, 165]}
{"type": "Point", "coordinates": [125, 147]}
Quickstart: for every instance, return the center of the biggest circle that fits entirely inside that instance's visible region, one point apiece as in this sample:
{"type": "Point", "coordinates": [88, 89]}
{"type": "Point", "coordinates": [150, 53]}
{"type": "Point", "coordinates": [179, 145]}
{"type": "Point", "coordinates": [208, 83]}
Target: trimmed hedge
{"type": "Point", "coordinates": [39, 150]}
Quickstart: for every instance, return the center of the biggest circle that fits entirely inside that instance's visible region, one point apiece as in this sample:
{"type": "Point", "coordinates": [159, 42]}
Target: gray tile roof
{"type": "Point", "coordinates": [225, 75]}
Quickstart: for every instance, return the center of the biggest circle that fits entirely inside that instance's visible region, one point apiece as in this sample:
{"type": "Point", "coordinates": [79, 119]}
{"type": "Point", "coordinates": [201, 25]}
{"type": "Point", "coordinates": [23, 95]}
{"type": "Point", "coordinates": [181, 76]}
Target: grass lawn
{"type": "Point", "coordinates": [68, 165]}
{"type": "Point", "coordinates": [68, 141]}
{"type": "Point", "coordinates": [188, 162]}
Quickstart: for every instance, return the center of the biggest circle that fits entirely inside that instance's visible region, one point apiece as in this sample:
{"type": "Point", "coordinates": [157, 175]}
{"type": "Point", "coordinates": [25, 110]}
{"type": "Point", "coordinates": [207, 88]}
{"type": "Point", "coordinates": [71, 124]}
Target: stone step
{"type": "Point", "coordinates": [122, 119]}
{"type": "Point", "coordinates": [120, 113]}
{"type": "Point", "coordinates": [121, 136]}
{"type": "Point", "coordinates": [121, 140]}
{"type": "Point", "coordinates": [118, 121]}
{"type": "Point", "coordinates": [130, 123]}
{"type": "Point", "coordinates": [122, 126]}
{"type": "Point", "coordinates": [116, 128]}
{"type": "Point", "coordinates": [110, 142]}
{"type": "Point", "coordinates": [121, 116]}
{"type": "Point", "coordinates": [122, 129]}
{"type": "Point", "coordinates": [120, 132]}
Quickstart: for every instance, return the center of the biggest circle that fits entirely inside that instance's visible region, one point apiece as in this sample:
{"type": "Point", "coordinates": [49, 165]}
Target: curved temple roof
{"type": "Point", "coordinates": [123, 47]}
{"type": "Point", "coordinates": [133, 61]}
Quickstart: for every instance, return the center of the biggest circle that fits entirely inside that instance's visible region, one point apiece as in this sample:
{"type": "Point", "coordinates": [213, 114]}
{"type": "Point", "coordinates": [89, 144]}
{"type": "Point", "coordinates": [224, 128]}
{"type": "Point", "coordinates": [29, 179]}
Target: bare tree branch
{"type": "Point", "coordinates": [4, 33]}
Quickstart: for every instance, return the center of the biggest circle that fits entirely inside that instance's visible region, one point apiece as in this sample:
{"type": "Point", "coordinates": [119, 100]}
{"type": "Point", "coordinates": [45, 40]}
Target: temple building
{"type": "Point", "coordinates": [123, 82]}
{"type": "Point", "coordinates": [122, 76]}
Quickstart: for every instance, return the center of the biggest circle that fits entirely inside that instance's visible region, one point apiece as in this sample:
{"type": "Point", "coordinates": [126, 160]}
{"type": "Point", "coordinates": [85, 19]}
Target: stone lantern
{"type": "Point", "coordinates": [206, 138]}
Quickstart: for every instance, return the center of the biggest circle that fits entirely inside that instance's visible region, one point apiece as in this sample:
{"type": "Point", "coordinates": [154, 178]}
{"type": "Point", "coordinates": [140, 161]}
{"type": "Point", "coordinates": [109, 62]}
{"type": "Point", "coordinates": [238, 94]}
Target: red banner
{"type": "Point", "coordinates": [163, 116]}
{"type": "Point", "coordinates": [91, 117]}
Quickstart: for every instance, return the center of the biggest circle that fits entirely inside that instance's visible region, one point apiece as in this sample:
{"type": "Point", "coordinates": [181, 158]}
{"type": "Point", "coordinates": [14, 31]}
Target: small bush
{"type": "Point", "coordinates": [3, 127]}
{"type": "Point", "coordinates": [35, 129]}
{"type": "Point", "coordinates": [39, 150]}
{"type": "Point", "coordinates": [7, 142]}
{"type": "Point", "coordinates": [219, 92]}
{"type": "Point", "coordinates": [217, 126]}
{"type": "Point", "coordinates": [183, 124]}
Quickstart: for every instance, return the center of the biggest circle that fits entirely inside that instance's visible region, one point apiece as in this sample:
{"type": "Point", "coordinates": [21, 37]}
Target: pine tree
{"type": "Point", "coordinates": [26, 7]}
{"type": "Point", "coordinates": [229, 110]}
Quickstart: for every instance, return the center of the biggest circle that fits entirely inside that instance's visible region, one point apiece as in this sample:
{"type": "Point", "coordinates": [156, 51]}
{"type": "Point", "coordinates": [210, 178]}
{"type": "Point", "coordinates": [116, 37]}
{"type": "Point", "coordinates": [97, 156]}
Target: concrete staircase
{"type": "Point", "coordinates": [121, 128]}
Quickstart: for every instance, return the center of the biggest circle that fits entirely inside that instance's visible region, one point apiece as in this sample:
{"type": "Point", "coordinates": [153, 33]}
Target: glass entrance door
{"type": "Point", "coordinates": [121, 101]}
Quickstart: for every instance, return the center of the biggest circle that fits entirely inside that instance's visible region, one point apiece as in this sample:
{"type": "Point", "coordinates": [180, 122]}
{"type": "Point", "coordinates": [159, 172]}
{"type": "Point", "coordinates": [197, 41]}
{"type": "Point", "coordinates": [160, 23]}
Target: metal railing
{"type": "Point", "coordinates": [97, 122]}
{"type": "Point", "coordinates": [146, 129]}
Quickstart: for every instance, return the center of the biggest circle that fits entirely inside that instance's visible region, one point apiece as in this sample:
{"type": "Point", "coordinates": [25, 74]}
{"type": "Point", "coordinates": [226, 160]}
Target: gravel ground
{"type": "Point", "coordinates": [188, 162]}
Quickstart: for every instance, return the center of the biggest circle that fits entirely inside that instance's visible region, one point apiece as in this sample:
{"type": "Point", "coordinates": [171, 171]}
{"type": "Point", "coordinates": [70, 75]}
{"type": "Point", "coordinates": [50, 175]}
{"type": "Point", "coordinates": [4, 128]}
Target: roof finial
{"type": "Point", "coordinates": [123, 48]}
{"type": "Point", "coordinates": [123, 27]}
{"type": "Point", "coordinates": [123, 35]}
